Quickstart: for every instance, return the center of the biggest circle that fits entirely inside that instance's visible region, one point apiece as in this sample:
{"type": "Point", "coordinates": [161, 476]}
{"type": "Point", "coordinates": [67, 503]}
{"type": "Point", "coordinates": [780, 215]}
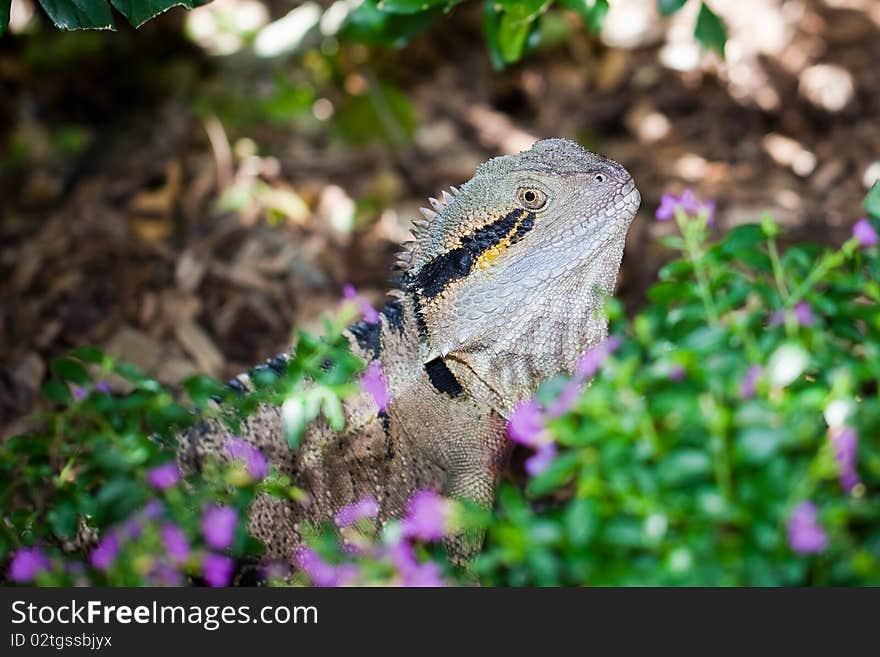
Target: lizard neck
{"type": "Point", "coordinates": [519, 346]}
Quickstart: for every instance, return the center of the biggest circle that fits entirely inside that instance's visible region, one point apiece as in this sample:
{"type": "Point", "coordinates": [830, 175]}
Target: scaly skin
{"type": "Point", "coordinates": [502, 288]}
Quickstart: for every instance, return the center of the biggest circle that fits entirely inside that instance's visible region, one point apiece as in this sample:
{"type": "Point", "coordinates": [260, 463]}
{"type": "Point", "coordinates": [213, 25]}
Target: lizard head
{"type": "Point", "coordinates": [509, 273]}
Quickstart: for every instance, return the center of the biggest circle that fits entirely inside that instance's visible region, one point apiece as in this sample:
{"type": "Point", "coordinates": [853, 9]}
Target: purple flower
{"type": "Point", "coordinates": [103, 386]}
{"type": "Point", "coordinates": [252, 458]}
{"type": "Point", "coordinates": [687, 203]}
{"type": "Point", "coordinates": [217, 569]}
{"type": "Point", "coordinates": [402, 555]}
{"type": "Point", "coordinates": [709, 207]}
{"type": "Point", "coordinates": [163, 574]}
{"type": "Point", "coordinates": [218, 526]}
{"type": "Point", "coordinates": [374, 383]}
{"type": "Point", "coordinates": [175, 542]}
{"type": "Point", "coordinates": [27, 564]}
{"type": "Point", "coordinates": [320, 572]}
{"type": "Point", "coordinates": [846, 443]}
{"type": "Point", "coordinates": [413, 573]}
{"type": "Point", "coordinates": [565, 400]}
{"type": "Point", "coordinates": [80, 393]}
{"type": "Point", "coordinates": [590, 362]}
{"type": "Point", "coordinates": [538, 462]}
{"type": "Point", "coordinates": [805, 534]}
{"type": "Point", "coordinates": [275, 570]}
{"type": "Point", "coordinates": [152, 510]}
{"type": "Point", "coordinates": [426, 516]}
{"type": "Point", "coordinates": [749, 381]}
{"type": "Point", "coordinates": [803, 314]}
{"type": "Point", "coordinates": [423, 575]}
{"type": "Point", "coordinates": [351, 513]}
{"type": "Point", "coordinates": [105, 553]}
{"type": "Point", "coordinates": [163, 477]}
{"type": "Point", "coordinates": [865, 233]}
{"type": "Point", "coordinates": [676, 372]}
{"type": "Point", "coordinates": [666, 209]}
{"type": "Point", "coordinates": [526, 424]}
{"type": "Point", "coordinates": [131, 529]}
{"type": "Point", "coordinates": [370, 315]}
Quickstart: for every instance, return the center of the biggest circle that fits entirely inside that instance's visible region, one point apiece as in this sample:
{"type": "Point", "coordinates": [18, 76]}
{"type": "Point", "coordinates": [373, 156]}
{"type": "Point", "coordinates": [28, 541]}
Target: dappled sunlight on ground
{"type": "Point", "coordinates": [230, 198]}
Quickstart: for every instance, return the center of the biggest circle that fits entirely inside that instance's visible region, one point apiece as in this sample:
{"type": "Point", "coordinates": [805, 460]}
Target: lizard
{"type": "Point", "coordinates": [502, 287]}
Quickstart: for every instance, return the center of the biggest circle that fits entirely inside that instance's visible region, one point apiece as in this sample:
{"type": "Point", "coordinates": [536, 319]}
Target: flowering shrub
{"type": "Point", "coordinates": [731, 438]}
{"type": "Point", "coordinates": [729, 435]}
{"type": "Point", "coordinates": [96, 496]}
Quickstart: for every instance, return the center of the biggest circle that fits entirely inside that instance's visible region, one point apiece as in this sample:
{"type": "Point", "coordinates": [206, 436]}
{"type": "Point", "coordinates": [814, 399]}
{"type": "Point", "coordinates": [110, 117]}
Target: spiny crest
{"type": "Point", "coordinates": [423, 230]}
{"type": "Point", "coordinates": [481, 202]}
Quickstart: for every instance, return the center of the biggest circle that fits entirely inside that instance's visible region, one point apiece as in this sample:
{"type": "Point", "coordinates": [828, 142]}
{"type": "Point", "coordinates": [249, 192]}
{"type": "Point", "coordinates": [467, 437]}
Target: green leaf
{"type": "Point", "coordinates": [512, 36]}
{"type": "Point", "coordinates": [89, 354]}
{"type": "Point", "coordinates": [683, 466]}
{"type": "Point", "coordinates": [56, 392]}
{"type": "Point", "coordinates": [333, 411]}
{"type": "Point", "coordinates": [201, 388]}
{"type": "Point", "coordinates": [710, 31]}
{"type": "Point", "coordinates": [592, 12]}
{"type": "Point", "coordinates": [669, 7]}
{"type": "Point", "coordinates": [4, 15]}
{"type": "Point", "coordinates": [370, 25]}
{"type": "Point", "coordinates": [79, 14]}
{"type": "Point", "coordinates": [139, 12]}
{"type": "Point", "coordinates": [517, 22]}
{"type": "Point", "coordinates": [557, 473]}
{"type": "Point", "coordinates": [872, 200]}
{"type": "Point", "coordinates": [70, 370]}
{"type": "Point", "coordinates": [758, 444]}
{"type": "Point", "coordinates": [63, 518]}
{"type": "Point", "coordinates": [383, 113]}
{"type": "Point", "coordinates": [491, 20]}
{"type": "Point", "coordinates": [413, 6]}
{"type": "Point", "coordinates": [581, 521]}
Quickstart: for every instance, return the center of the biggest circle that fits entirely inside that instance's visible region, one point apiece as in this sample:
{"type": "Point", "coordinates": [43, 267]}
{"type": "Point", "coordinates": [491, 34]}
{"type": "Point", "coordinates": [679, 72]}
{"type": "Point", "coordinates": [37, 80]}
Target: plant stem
{"type": "Point", "coordinates": [691, 235]}
{"type": "Point", "coordinates": [778, 273]}
{"type": "Point", "coordinates": [828, 262]}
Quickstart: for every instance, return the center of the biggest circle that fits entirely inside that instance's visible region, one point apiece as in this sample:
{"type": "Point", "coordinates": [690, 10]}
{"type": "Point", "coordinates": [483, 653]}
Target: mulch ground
{"type": "Point", "coordinates": [124, 245]}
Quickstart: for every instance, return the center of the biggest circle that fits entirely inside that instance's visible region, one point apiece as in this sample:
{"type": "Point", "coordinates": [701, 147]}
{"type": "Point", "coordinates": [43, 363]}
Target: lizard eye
{"type": "Point", "coordinates": [600, 177]}
{"type": "Point", "coordinates": [531, 198]}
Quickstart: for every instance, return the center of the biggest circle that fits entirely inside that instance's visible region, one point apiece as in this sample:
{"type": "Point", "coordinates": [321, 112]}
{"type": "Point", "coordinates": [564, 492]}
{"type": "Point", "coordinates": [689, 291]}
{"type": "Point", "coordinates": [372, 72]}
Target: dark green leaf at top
{"type": "Point", "coordinates": [139, 12]}
{"type": "Point", "coordinates": [79, 14]}
{"type": "Point", "coordinates": [4, 15]}
{"type": "Point", "coordinates": [669, 7]}
{"type": "Point", "coordinates": [370, 25]}
{"type": "Point", "coordinates": [413, 6]}
{"type": "Point", "coordinates": [710, 31]}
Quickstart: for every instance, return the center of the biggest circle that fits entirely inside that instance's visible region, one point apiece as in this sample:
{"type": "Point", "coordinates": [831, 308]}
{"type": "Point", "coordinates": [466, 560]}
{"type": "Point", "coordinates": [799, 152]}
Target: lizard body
{"type": "Point", "coordinates": [502, 288]}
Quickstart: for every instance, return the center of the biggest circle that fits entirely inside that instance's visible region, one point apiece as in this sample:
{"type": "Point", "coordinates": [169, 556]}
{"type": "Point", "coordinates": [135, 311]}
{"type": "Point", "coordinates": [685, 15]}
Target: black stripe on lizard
{"type": "Point", "coordinates": [368, 336]}
{"type": "Point", "coordinates": [442, 378]}
{"type": "Point", "coordinates": [458, 262]}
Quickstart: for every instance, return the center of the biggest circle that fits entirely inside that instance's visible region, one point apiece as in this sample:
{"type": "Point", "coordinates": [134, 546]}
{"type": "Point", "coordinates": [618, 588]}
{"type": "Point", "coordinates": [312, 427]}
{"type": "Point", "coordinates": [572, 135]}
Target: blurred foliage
{"type": "Point", "coordinates": [686, 461]}
{"type": "Point", "coordinates": [96, 14]}
{"type": "Point", "coordinates": [511, 27]}
{"type": "Point", "coordinates": [719, 415]}
{"type": "Point", "coordinates": [83, 481]}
